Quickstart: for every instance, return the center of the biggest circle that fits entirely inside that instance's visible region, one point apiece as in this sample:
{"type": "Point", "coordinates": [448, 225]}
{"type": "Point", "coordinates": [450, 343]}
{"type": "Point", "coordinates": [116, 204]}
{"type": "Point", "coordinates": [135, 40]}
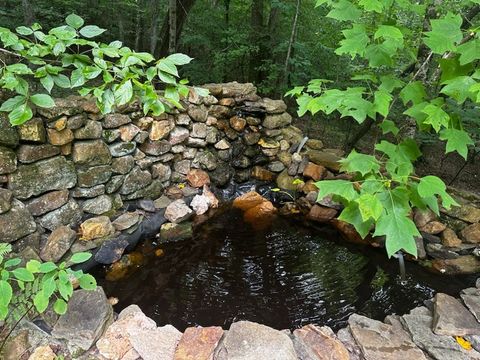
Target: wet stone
{"type": "Point", "coordinates": [171, 232]}
{"type": "Point", "coordinates": [178, 211]}
{"type": "Point", "coordinates": [450, 317]}
{"type": "Point", "coordinates": [93, 176]}
{"type": "Point", "coordinates": [91, 130]}
{"type": "Point", "coordinates": [68, 214]}
{"type": "Point", "coordinates": [16, 223]}
{"type": "Point", "coordinates": [96, 228]}
{"type": "Point", "coordinates": [122, 149]}
{"type": "Point", "coordinates": [111, 250]}
{"type": "Point", "coordinates": [58, 243]}
{"type": "Point", "coordinates": [126, 221]}
{"type": "Point", "coordinates": [198, 343]}
{"type": "Point", "coordinates": [137, 179]}
{"type": "Point", "coordinates": [319, 343]}
{"type": "Point", "coordinates": [98, 205]}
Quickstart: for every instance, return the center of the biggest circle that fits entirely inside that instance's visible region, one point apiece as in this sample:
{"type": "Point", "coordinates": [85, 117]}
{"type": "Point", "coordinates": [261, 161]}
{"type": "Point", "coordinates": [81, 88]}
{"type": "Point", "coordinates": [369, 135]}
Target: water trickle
{"type": "Point", "coordinates": [284, 276]}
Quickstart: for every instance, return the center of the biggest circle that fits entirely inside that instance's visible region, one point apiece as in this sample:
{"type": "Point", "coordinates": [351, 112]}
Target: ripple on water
{"type": "Point", "coordinates": [284, 276]}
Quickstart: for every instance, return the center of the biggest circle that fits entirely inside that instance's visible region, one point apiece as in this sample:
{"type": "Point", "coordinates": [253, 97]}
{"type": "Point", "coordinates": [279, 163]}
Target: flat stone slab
{"type": "Point", "coordinates": [318, 343]}
{"type": "Point", "coordinates": [450, 317]}
{"type": "Point", "coordinates": [156, 344]}
{"type": "Point", "coordinates": [198, 343]}
{"type": "Point", "coordinates": [439, 347]}
{"type": "Point", "coordinates": [251, 341]}
{"type": "Point", "coordinates": [379, 341]}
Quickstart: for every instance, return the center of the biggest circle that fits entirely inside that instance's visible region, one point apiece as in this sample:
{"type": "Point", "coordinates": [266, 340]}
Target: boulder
{"type": "Point", "coordinates": [178, 135]}
{"type": "Point", "coordinates": [129, 132]}
{"type": "Point", "coordinates": [419, 323]}
{"type": "Point", "coordinates": [199, 130]}
{"type": "Point", "coordinates": [123, 165]}
{"type": "Point", "coordinates": [8, 161]}
{"type": "Point", "coordinates": [33, 131]}
{"type": "Point", "coordinates": [465, 264]}
{"type": "Point", "coordinates": [58, 243]}
{"type": "Point", "coordinates": [137, 179]}
{"type": "Point", "coordinates": [16, 223]}
{"type": "Point", "coordinates": [277, 121]}
{"type": "Point", "coordinates": [198, 343]}
{"type": "Point", "coordinates": [325, 158]}
{"type": "Point", "coordinates": [319, 343]}
{"type": "Point", "coordinates": [115, 120]}
{"type": "Point", "coordinates": [178, 211]}
{"type": "Point", "coordinates": [451, 318]}
{"type": "Point", "coordinates": [126, 221]}
{"type": "Point", "coordinates": [200, 204]}
{"type": "Point", "coordinates": [88, 315]}
{"type": "Point", "coordinates": [171, 232]}
{"type": "Point", "coordinates": [68, 214]}
{"type": "Point", "coordinates": [156, 148]}
{"type": "Point", "coordinates": [471, 233]}
{"type": "Point", "coordinates": [8, 133]}
{"type": "Point", "coordinates": [91, 153]}
{"type": "Point", "coordinates": [198, 178]}
{"type": "Point", "coordinates": [122, 149]}
{"type": "Point", "coordinates": [383, 341]}
{"type": "Point", "coordinates": [59, 138]}
{"type": "Point", "coordinates": [314, 171]}
{"type": "Point", "coordinates": [30, 153]}
{"type": "Point", "coordinates": [94, 175]}
{"type": "Point", "coordinates": [248, 200]}
{"type": "Point", "coordinates": [98, 205]}
{"type": "Point", "coordinates": [96, 228]}
{"type": "Point", "coordinates": [321, 214]}
{"type": "Point", "coordinates": [47, 202]}
{"type": "Point", "coordinates": [6, 197]}
{"type": "Point", "coordinates": [251, 341]}
{"type": "Point", "coordinates": [450, 238]}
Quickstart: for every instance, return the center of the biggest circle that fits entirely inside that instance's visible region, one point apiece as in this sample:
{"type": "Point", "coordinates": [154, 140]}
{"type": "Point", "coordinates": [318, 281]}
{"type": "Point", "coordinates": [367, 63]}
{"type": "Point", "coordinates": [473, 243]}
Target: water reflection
{"type": "Point", "coordinates": [283, 276]}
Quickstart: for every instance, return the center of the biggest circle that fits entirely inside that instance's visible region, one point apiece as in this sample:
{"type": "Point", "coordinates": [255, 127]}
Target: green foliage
{"type": "Point", "coordinates": [386, 189]}
{"type": "Point", "coordinates": [29, 290]}
{"type": "Point", "coordinates": [66, 57]}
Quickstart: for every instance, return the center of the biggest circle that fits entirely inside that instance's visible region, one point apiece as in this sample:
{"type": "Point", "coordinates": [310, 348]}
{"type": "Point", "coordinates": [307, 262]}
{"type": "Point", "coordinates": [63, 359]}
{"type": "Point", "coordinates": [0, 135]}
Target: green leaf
{"type": "Point", "coordinates": [42, 100]}
{"type": "Point", "coordinates": [41, 301]}
{"type": "Point", "coordinates": [47, 83]}
{"type": "Point", "coordinates": [124, 93]}
{"type": "Point", "coordinates": [389, 83]}
{"type": "Point", "coordinates": [60, 307]}
{"type": "Point", "coordinates": [451, 68]}
{"type": "Point", "coordinates": [77, 78]}
{"type": "Point", "coordinates": [436, 117]}
{"type": "Point", "coordinates": [12, 262]}
{"type": "Point", "coordinates": [3, 312]}
{"type": "Point", "coordinates": [389, 126]}
{"type": "Point", "coordinates": [74, 21]}
{"type": "Point", "coordinates": [372, 5]}
{"type": "Point", "coordinates": [12, 103]}
{"type": "Point", "coordinates": [65, 288]}
{"type": "Point", "coordinates": [431, 185]}
{"type": "Point", "coordinates": [49, 286]}
{"type": "Point", "coordinates": [33, 266]}
{"type": "Point", "coordinates": [414, 92]}
{"type": "Point", "coordinates": [81, 257]}
{"type": "Point", "coordinates": [355, 42]}
{"type": "Point", "coordinates": [399, 231]}
{"type": "Point", "coordinates": [379, 55]}
{"type": "Point", "coordinates": [457, 140]}
{"type": "Point", "coordinates": [382, 102]}
{"type": "Point", "coordinates": [179, 59]}
{"type": "Point", "coordinates": [342, 188]}
{"type": "Point", "coordinates": [351, 214]}
{"type": "Point", "coordinates": [6, 293]}
{"type": "Point", "coordinates": [23, 30]}
{"type": "Point", "coordinates": [446, 33]}
{"type": "Point", "coordinates": [20, 115]}
{"type": "Point", "coordinates": [47, 267]}
{"type": "Point", "coordinates": [61, 81]}
{"type": "Point", "coordinates": [356, 162]}
{"type": "Point", "coordinates": [369, 206]}
{"type": "Point", "coordinates": [91, 31]}
{"type": "Point", "coordinates": [344, 11]}
{"type": "Point", "coordinates": [469, 51]}
{"type": "Point", "coordinates": [87, 282]}
{"type": "Point", "coordinates": [168, 66]}
{"type": "Point", "coordinates": [20, 69]}
{"type": "Point", "coordinates": [23, 274]}
{"type": "Point", "coordinates": [458, 88]}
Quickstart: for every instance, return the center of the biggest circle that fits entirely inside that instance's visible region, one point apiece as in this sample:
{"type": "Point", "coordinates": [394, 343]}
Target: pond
{"type": "Point", "coordinates": [285, 275]}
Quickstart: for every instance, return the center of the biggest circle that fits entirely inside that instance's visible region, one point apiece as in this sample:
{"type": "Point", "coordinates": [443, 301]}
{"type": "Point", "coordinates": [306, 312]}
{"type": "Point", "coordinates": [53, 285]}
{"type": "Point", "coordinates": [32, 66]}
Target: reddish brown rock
{"type": "Point", "coordinates": [309, 186]}
{"type": "Point", "coordinates": [423, 217]}
{"type": "Point", "coordinates": [321, 214]}
{"type": "Point", "coordinates": [348, 231]}
{"type": "Point", "coordinates": [314, 171]}
{"type": "Point", "coordinates": [60, 137]}
{"type": "Point", "coordinates": [237, 123]}
{"type": "Point", "coordinates": [260, 216]}
{"type": "Point", "coordinates": [212, 199]}
{"type": "Point", "coordinates": [198, 343]}
{"type": "Point", "coordinates": [248, 201]}
{"type": "Point", "coordinates": [450, 238]}
{"type": "Point", "coordinates": [47, 202]}
{"type": "Point", "coordinates": [471, 233]}
{"type": "Point", "coordinates": [467, 264]}
{"type": "Point", "coordinates": [226, 102]}
{"type": "Point", "coordinates": [198, 178]}
{"type": "Point", "coordinates": [262, 174]}
{"type": "Point", "coordinates": [160, 129]}
{"type": "Point", "coordinates": [320, 342]}
{"type": "Point", "coordinates": [433, 227]}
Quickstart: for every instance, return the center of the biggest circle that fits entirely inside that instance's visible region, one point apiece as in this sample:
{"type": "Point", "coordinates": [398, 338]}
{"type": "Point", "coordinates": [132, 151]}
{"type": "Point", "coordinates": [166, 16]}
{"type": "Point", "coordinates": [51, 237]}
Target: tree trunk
{"type": "Point", "coordinates": [291, 43]}
{"type": "Point", "coordinates": [257, 33]}
{"type": "Point", "coordinates": [182, 10]}
{"type": "Point", "coordinates": [154, 27]}
{"type": "Point", "coordinates": [138, 27]}
{"type": "Point", "coordinates": [28, 15]}
{"type": "Point", "coordinates": [172, 31]}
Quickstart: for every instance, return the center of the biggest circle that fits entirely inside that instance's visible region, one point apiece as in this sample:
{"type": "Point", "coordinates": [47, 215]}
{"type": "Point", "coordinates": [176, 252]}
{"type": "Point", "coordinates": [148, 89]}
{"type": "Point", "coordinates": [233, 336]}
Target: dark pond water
{"type": "Point", "coordinates": [284, 276]}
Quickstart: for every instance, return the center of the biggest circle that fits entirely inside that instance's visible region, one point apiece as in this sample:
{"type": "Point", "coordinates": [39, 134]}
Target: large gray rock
{"type": "Point", "coordinates": [34, 179]}
{"type": "Point", "coordinates": [440, 347]}
{"type": "Point", "coordinates": [88, 315]}
{"type": "Point", "coordinates": [47, 202]}
{"type": "Point", "coordinates": [94, 152]}
{"type": "Point", "coordinates": [6, 197]}
{"type": "Point", "coordinates": [58, 243]}
{"type": "Point", "coordinates": [94, 175]}
{"type": "Point", "coordinates": [450, 317]}
{"type": "Point", "coordinates": [98, 205]}
{"type": "Point", "coordinates": [122, 149]}
{"type": "Point", "coordinates": [112, 121]}
{"type": "Point", "coordinates": [123, 165]}
{"type": "Point", "coordinates": [471, 298]}
{"type": "Point", "coordinates": [8, 161]}
{"type": "Point", "coordinates": [30, 153]}
{"type": "Point", "coordinates": [277, 121]}
{"type": "Point", "coordinates": [383, 341]}
{"type": "Point", "coordinates": [251, 341]}
{"type": "Point", "coordinates": [137, 179]}
{"type": "Point", "coordinates": [178, 211]}
{"type": "Point", "coordinates": [91, 192]}
{"type": "Point", "coordinates": [156, 344]}
{"type": "Point", "coordinates": [16, 223]}
{"type": "Point", "coordinates": [68, 214]}
{"type": "Point", "coordinates": [91, 130]}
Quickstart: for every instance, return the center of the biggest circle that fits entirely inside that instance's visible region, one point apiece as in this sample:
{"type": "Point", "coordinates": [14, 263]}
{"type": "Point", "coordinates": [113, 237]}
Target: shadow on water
{"type": "Point", "coordinates": [284, 276]}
